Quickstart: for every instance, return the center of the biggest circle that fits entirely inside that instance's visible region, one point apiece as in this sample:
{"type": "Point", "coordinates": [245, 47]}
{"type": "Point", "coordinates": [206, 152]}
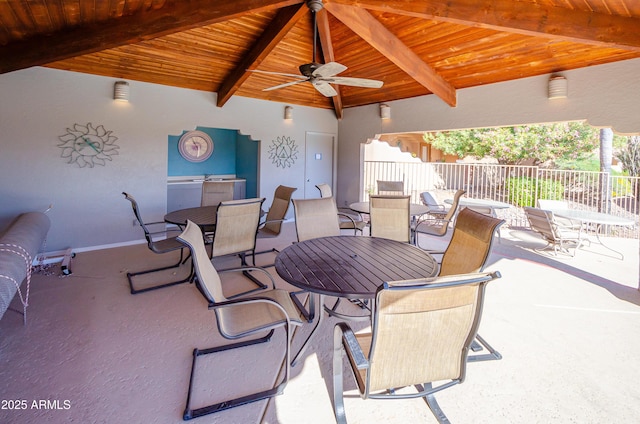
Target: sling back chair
{"type": "Point", "coordinates": [435, 226]}
{"type": "Point", "coordinates": [551, 205]}
{"type": "Point", "coordinates": [238, 319]}
{"type": "Point", "coordinates": [213, 193]}
{"type": "Point", "coordinates": [390, 218]}
{"type": "Point", "coordinates": [236, 231]}
{"type": "Point", "coordinates": [390, 187]}
{"type": "Point", "coordinates": [485, 210]}
{"type": "Point", "coordinates": [316, 218]}
{"type": "Point", "coordinates": [468, 252]}
{"type": "Point", "coordinates": [348, 221]}
{"type": "Point", "coordinates": [158, 242]}
{"type": "Point", "coordinates": [275, 216]}
{"type": "Point", "coordinates": [436, 209]}
{"type": "Point", "coordinates": [557, 235]}
{"type": "Point", "coordinates": [420, 336]}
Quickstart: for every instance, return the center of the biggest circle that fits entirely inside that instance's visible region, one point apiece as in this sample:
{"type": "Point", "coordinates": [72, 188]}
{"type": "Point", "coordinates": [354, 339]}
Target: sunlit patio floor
{"type": "Point", "coordinates": [567, 328]}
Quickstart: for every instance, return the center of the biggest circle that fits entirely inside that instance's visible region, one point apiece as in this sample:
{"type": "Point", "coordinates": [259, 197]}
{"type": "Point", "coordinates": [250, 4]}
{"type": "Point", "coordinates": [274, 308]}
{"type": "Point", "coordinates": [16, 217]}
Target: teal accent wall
{"type": "Point", "coordinates": [233, 153]}
{"type": "Point", "coordinates": [247, 167]}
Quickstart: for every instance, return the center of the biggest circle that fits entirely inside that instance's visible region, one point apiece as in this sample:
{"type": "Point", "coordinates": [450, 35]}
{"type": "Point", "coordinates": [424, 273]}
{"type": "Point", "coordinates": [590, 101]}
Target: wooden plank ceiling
{"type": "Point", "coordinates": [415, 47]}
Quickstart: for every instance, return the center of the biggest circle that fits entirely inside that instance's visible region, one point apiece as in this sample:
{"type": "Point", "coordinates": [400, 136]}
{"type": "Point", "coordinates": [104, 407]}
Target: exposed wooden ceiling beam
{"type": "Point", "coordinates": [327, 52]}
{"type": "Point", "coordinates": [174, 16]}
{"type": "Point", "coordinates": [523, 17]}
{"type": "Point", "coordinates": [284, 20]}
{"type": "Point", "coordinates": [379, 37]}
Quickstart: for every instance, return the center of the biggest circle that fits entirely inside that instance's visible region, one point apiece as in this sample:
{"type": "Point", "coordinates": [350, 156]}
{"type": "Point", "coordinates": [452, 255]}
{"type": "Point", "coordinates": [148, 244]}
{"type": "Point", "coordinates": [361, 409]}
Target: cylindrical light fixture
{"type": "Point", "coordinates": [288, 113]}
{"type": "Point", "coordinates": [121, 91]}
{"type": "Point", "coordinates": [385, 111]}
{"type": "Point", "coordinates": [557, 87]}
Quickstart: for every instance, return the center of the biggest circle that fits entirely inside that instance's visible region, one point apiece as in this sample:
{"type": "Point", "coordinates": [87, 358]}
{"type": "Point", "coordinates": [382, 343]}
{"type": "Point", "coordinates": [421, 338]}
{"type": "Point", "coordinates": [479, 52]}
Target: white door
{"type": "Point", "coordinates": [319, 149]}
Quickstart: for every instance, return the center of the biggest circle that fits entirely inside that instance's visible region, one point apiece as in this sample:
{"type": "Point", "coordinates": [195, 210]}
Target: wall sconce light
{"type": "Point", "coordinates": [557, 87]}
{"type": "Point", "coordinates": [288, 113]}
{"type": "Point", "coordinates": [385, 111]}
{"type": "Point", "coordinates": [121, 91]}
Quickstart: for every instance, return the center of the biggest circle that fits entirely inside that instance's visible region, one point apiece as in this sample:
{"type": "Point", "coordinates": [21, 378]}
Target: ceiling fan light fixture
{"type": "Point", "coordinates": [557, 87]}
{"type": "Point", "coordinates": [385, 111]}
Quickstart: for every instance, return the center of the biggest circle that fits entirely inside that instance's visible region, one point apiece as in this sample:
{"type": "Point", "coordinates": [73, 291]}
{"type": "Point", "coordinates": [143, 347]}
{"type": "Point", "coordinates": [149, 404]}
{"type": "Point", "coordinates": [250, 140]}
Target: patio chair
{"type": "Point", "coordinates": [435, 226]}
{"type": "Point", "coordinates": [316, 218]}
{"type": "Point", "coordinates": [468, 252]}
{"type": "Point", "coordinates": [436, 209]}
{"type": "Point", "coordinates": [215, 192]}
{"type": "Point", "coordinates": [390, 187]}
{"type": "Point", "coordinates": [325, 190]}
{"type": "Point", "coordinates": [551, 205]}
{"type": "Point", "coordinates": [485, 210]}
{"type": "Point", "coordinates": [348, 221]}
{"type": "Point", "coordinates": [557, 235]}
{"type": "Point", "coordinates": [238, 319]}
{"type": "Point", "coordinates": [236, 230]}
{"type": "Point", "coordinates": [390, 218]}
{"type": "Point", "coordinates": [158, 242]}
{"type": "Point", "coordinates": [420, 336]}
{"type": "Point", "coordinates": [275, 216]}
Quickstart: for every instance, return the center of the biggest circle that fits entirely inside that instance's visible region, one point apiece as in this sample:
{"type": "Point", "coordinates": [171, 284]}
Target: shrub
{"type": "Point", "coordinates": [523, 191]}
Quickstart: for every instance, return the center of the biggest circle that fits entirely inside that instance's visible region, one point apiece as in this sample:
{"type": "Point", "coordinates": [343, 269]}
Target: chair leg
{"type": "Point", "coordinates": [432, 403]}
{"type": "Point", "coordinates": [190, 413]}
{"type": "Point", "coordinates": [243, 262]}
{"type": "Point", "coordinates": [338, 397]}
{"type": "Point", "coordinates": [478, 345]}
{"type": "Point", "coordinates": [130, 276]}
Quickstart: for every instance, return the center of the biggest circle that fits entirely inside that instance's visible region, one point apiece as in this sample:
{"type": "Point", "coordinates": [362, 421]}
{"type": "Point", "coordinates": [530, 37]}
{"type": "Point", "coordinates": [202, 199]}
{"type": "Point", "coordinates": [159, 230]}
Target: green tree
{"type": "Point", "coordinates": [513, 145]}
{"type": "Point", "coordinates": [630, 159]}
{"type": "Point", "coordinates": [629, 156]}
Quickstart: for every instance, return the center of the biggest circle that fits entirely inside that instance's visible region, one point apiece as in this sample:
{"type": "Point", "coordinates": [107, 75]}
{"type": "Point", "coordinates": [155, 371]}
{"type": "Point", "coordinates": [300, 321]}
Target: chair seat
{"type": "Point", "coordinates": [166, 245]}
{"type": "Point", "coordinates": [348, 225]}
{"type": "Point", "coordinates": [242, 319]}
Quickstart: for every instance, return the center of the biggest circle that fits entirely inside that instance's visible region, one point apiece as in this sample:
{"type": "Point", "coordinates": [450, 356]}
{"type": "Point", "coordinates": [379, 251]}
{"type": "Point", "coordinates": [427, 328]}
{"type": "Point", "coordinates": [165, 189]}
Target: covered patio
{"type": "Point", "coordinates": [566, 327]}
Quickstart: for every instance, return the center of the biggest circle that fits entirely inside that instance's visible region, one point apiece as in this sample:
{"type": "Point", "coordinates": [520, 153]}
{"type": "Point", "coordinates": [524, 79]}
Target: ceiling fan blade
{"type": "Point", "coordinates": [286, 84]}
{"type": "Point", "coordinates": [325, 89]}
{"type": "Point", "coordinates": [354, 82]}
{"type": "Point", "coordinates": [329, 69]}
{"type": "Point", "coordinates": [278, 73]}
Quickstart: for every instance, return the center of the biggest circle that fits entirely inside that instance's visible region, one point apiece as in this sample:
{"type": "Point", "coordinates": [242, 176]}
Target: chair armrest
{"type": "Point", "coordinates": [256, 299]}
{"type": "Point", "coordinates": [342, 333]}
{"type": "Point", "coordinates": [353, 221]}
{"type": "Point", "coordinates": [263, 223]}
{"type": "Point", "coordinates": [250, 268]}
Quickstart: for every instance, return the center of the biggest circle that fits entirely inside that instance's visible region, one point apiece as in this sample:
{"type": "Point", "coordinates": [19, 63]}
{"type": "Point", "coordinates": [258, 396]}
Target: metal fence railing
{"type": "Point", "coordinates": [514, 184]}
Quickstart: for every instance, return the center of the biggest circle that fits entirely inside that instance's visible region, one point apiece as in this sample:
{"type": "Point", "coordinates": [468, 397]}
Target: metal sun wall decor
{"type": "Point", "coordinates": [283, 151]}
{"type": "Point", "coordinates": [87, 145]}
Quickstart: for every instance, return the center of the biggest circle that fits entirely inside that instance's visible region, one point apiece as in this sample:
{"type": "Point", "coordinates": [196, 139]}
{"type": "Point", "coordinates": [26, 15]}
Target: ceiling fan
{"type": "Point", "coordinates": [321, 75]}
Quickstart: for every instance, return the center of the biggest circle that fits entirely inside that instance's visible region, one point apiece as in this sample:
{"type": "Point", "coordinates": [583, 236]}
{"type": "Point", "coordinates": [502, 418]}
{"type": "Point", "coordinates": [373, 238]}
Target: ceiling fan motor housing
{"type": "Point", "coordinates": [314, 5]}
{"type": "Point", "coordinates": [308, 68]}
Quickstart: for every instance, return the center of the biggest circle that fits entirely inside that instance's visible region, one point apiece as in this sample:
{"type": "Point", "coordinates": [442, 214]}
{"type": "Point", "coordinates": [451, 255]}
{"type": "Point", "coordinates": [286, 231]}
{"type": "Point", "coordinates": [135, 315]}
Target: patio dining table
{"type": "Point", "coordinates": [348, 267]}
{"type": "Point", "coordinates": [203, 216]}
{"type": "Point", "coordinates": [484, 203]}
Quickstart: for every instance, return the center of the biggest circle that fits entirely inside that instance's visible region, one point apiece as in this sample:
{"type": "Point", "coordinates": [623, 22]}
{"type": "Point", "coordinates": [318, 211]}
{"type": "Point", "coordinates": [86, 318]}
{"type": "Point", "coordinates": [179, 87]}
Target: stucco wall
{"type": "Point", "coordinates": [38, 104]}
{"type": "Point", "coordinates": [605, 95]}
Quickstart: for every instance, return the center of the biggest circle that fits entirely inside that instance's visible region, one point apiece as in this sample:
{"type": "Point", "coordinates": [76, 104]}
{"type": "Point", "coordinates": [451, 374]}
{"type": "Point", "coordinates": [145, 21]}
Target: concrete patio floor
{"type": "Point", "coordinates": [567, 329]}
